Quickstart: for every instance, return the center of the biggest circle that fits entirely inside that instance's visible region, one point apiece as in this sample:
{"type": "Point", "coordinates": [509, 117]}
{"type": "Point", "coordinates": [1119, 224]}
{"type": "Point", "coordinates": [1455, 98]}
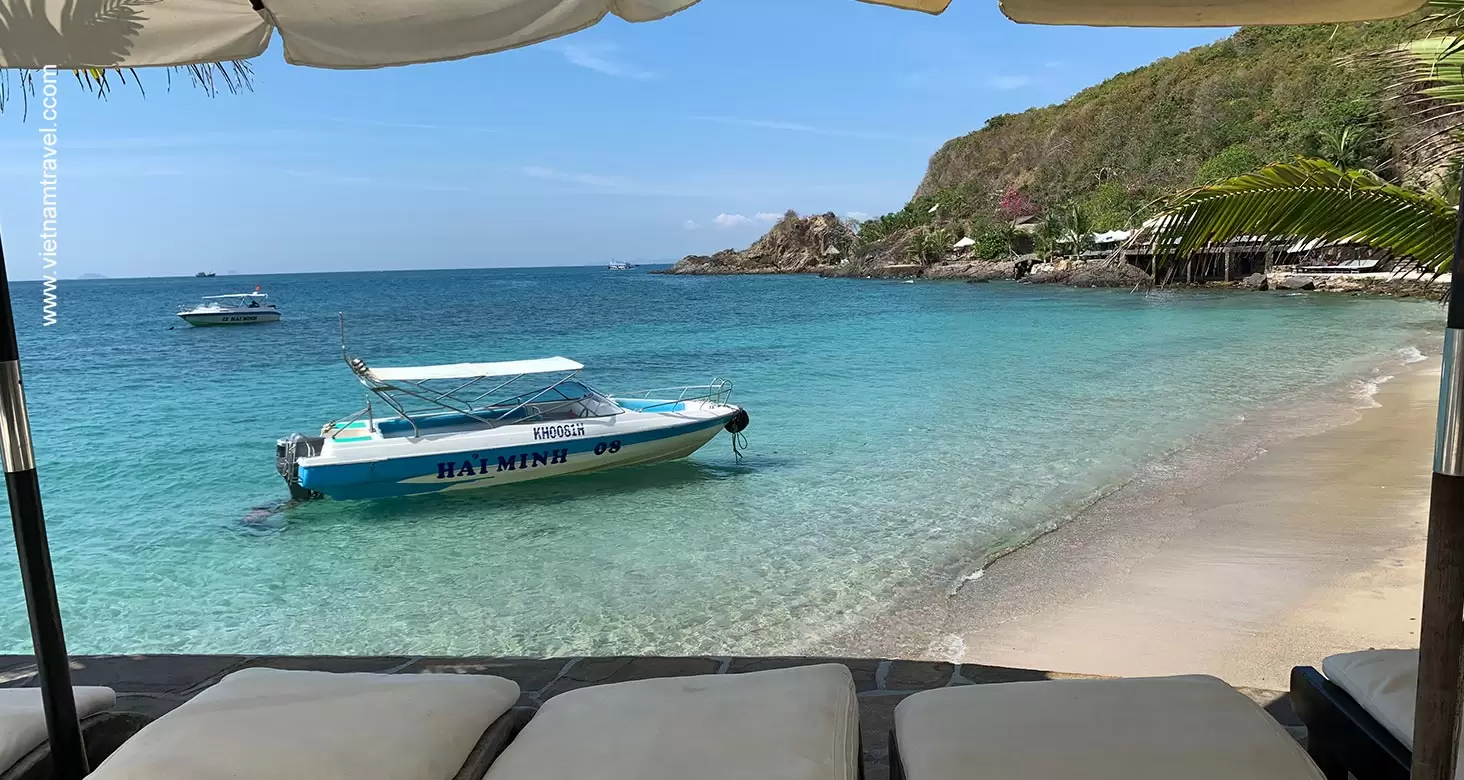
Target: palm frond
{"type": "Point", "coordinates": [1446, 17]}
{"type": "Point", "coordinates": [1310, 199]}
{"type": "Point", "coordinates": [1426, 83]}
{"type": "Point", "coordinates": [212, 78]}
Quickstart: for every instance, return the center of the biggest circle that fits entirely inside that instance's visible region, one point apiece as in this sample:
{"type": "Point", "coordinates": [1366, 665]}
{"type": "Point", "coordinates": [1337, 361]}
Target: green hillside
{"type": "Point", "coordinates": [1262, 95]}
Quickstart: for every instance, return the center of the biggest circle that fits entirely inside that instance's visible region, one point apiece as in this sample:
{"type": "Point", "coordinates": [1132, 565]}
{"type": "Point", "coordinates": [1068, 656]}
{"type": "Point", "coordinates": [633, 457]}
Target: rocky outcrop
{"type": "Point", "coordinates": [1108, 274]}
{"type": "Point", "coordinates": [793, 246]}
{"type": "Point", "coordinates": [1053, 272]}
{"type": "Point", "coordinates": [727, 261]}
{"type": "Point", "coordinates": [1295, 282]}
{"type": "Point", "coordinates": [857, 269]}
{"type": "Point", "coordinates": [974, 270]}
{"type": "Point", "coordinates": [1256, 281]}
{"type": "Point", "coordinates": [1397, 285]}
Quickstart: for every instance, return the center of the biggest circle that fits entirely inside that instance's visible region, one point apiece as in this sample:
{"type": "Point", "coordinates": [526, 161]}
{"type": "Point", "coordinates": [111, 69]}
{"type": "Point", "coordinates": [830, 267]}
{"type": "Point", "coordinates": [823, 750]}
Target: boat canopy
{"type": "Point", "coordinates": [553, 365]}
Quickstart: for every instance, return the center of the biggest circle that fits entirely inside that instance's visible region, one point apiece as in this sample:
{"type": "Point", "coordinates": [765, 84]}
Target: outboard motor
{"type": "Point", "coordinates": [288, 452]}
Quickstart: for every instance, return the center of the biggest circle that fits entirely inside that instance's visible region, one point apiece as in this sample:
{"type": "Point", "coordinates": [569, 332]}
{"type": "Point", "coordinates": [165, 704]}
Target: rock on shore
{"type": "Point", "coordinates": [1105, 274]}
{"type": "Point", "coordinates": [1402, 286]}
{"type": "Point", "coordinates": [793, 246]}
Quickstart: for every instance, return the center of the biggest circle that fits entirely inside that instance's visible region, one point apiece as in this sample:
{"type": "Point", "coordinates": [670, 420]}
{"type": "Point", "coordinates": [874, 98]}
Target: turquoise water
{"type": "Point", "coordinates": [898, 432]}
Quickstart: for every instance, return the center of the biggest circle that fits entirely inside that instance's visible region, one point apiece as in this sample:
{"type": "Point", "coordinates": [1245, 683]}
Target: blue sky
{"type": "Point", "coordinates": [635, 142]}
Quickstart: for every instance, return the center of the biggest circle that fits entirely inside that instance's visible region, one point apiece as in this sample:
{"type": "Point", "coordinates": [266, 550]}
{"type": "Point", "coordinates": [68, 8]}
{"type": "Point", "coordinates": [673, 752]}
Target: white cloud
{"type": "Point", "coordinates": [731, 220]}
{"type": "Point", "coordinates": [767, 216]}
{"type": "Point", "coordinates": [550, 174]}
{"type": "Point", "coordinates": [414, 125]}
{"type": "Point", "coordinates": [689, 224]}
{"type": "Point", "coordinates": [795, 127]}
{"type": "Point", "coordinates": [1009, 82]}
{"type": "Point", "coordinates": [859, 215]}
{"type": "Point", "coordinates": [601, 58]}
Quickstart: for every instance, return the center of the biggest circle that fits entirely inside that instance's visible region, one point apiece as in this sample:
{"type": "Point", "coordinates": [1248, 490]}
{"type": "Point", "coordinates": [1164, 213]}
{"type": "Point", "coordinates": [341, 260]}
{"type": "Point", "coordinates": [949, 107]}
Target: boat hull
{"type": "Point", "coordinates": [200, 320]}
{"type": "Point", "coordinates": [469, 469]}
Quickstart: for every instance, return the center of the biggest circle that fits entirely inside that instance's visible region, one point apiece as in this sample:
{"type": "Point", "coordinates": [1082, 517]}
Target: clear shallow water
{"type": "Point", "coordinates": [899, 431]}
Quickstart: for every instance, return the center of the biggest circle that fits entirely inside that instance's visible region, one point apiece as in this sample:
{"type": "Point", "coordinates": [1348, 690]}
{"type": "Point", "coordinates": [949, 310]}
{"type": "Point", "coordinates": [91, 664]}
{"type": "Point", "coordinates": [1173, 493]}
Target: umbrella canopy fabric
{"type": "Point", "coordinates": [320, 33]}
{"type": "Point", "coordinates": [377, 33]}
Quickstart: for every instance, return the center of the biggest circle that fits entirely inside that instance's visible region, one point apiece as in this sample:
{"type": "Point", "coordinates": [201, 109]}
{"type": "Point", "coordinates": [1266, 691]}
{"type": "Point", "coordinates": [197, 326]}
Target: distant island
{"type": "Point", "coordinates": [91, 276]}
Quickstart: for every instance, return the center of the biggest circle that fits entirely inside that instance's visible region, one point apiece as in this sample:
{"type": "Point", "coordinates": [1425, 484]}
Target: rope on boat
{"type": "Point", "coordinates": [735, 426]}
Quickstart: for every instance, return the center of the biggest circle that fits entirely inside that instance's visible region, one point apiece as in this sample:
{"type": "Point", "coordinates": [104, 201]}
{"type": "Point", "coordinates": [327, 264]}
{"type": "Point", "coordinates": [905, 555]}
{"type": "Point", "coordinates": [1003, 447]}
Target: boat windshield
{"type": "Point", "coordinates": [443, 403]}
{"type": "Point", "coordinates": [238, 301]}
{"type": "Point", "coordinates": [566, 400]}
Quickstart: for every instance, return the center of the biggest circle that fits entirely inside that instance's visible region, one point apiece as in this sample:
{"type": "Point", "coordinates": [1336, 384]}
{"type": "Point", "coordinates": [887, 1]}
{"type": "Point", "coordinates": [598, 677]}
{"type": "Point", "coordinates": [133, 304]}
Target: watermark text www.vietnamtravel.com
{"type": "Point", "coordinates": [48, 195]}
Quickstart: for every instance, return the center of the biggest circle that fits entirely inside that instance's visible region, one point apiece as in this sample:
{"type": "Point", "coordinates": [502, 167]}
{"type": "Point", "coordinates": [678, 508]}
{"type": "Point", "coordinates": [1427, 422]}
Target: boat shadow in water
{"type": "Point", "coordinates": [516, 498]}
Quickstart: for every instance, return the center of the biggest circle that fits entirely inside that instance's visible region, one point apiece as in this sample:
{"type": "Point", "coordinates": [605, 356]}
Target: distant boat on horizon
{"type": "Point", "coordinates": [204, 274]}
{"type": "Point", "coordinates": [618, 266]}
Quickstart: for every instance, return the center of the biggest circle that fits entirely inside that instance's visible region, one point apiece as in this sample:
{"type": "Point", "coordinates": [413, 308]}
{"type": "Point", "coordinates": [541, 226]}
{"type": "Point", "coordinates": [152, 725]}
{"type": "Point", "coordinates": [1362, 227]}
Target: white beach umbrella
{"type": "Point", "coordinates": [374, 33]}
{"type": "Point", "coordinates": [76, 34]}
{"type": "Point", "coordinates": [321, 33]}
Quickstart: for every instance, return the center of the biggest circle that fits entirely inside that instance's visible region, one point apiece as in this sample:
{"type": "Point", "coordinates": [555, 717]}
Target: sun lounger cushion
{"type": "Point", "coordinates": [23, 718]}
{"type": "Point", "coordinates": [1384, 682]}
{"type": "Point", "coordinates": [301, 725]}
{"type": "Point", "coordinates": [1196, 728]}
{"type": "Point", "coordinates": [785, 724]}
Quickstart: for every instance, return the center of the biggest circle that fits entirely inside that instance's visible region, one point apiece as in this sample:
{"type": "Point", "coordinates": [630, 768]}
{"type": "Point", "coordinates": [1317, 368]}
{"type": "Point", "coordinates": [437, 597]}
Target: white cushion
{"type": "Point", "coordinates": [1384, 682]}
{"type": "Point", "coordinates": [1196, 728]}
{"type": "Point", "coordinates": [784, 724]}
{"type": "Point", "coordinates": [298, 725]}
{"type": "Point", "coordinates": [23, 718]}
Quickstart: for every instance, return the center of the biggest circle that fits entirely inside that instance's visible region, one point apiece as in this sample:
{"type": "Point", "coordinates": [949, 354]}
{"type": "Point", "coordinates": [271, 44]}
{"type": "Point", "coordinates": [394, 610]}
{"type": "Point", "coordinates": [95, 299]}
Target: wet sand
{"type": "Point", "coordinates": [1240, 566]}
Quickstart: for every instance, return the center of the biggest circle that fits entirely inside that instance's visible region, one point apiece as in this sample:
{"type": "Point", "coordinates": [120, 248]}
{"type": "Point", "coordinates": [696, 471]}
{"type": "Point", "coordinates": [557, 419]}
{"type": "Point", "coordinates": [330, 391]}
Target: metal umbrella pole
{"type": "Point", "coordinates": [1441, 630]}
{"type": "Point", "coordinates": [68, 754]}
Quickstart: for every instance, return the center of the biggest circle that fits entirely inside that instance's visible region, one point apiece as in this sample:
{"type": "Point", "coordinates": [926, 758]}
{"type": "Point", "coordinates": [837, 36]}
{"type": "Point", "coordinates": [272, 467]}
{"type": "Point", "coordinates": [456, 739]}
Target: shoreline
{"type": "Point", "coordinates": [1292, 534]}
{"type": "Point", "coordinates": [1381, 285]}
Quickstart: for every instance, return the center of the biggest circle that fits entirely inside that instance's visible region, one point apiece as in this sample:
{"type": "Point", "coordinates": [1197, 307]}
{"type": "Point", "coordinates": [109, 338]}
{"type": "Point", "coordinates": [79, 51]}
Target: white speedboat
{"type": "Point", "coordinates": [240, 309]}
{"type": "Point", "coordinates": [476, 425]}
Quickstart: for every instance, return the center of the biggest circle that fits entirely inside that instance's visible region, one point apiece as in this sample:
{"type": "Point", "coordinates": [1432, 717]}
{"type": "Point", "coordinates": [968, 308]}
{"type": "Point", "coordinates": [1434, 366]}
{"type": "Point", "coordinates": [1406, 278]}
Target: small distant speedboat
{"type": "Point", "coordinates": [205, 275]}
{"type": "Point", "coordinates": [477, 425]}
{"type": "Point", "coordinates": [239, 309]}
{"type": "Point", "coordinates": [618, 266]}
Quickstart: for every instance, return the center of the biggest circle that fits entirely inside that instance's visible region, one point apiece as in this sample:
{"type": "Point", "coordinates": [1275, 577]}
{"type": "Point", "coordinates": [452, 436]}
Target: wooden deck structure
{"type": "Point", "coordinates": [1235, 260]}
{"type": "Point", "coordinates": [155, 684]}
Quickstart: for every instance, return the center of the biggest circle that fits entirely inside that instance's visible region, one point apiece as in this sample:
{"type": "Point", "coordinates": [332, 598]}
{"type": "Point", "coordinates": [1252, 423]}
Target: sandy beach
{"type": "Point", "coordinates": [1239, 564]}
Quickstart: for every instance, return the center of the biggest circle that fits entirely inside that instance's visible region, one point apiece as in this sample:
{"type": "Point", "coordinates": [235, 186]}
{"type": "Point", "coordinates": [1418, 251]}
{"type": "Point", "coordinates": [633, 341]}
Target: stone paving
{"type": "Point", "coordinates": [155, 684]}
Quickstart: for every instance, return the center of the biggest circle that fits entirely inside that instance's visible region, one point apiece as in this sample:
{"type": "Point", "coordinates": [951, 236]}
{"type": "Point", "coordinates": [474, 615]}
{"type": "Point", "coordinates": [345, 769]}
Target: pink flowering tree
{"type": "Point", "coordinates": [1014, 205]}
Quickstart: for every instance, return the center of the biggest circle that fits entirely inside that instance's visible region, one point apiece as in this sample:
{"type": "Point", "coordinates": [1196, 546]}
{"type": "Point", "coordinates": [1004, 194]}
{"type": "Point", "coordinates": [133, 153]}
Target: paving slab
{"type": "Point", "coordinates": [533, 675]}
{"type": "Point", "coordinates": [138, 673]}
{"type": "Point", "coordinates": [153, 705]}
{"type": "Point", "coordinates": [918, 675]}
{"type": "Point", "coordinates": [601, 671]}
{"type": "Point", "coordinates": [876, 719]}
{"type": "Point", "coordinates": [330, 663]}
{"type": "Point", "coordinates": [980, 674]}
{"type": "Point", "coordinates": [865, 670]}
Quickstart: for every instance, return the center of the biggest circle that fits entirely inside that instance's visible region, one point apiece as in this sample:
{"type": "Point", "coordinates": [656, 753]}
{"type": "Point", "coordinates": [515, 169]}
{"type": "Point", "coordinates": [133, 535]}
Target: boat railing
{"type": "Point", "coordinates": [333, 428]}
{"type": "Point", "coordinates": [717, 392]}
